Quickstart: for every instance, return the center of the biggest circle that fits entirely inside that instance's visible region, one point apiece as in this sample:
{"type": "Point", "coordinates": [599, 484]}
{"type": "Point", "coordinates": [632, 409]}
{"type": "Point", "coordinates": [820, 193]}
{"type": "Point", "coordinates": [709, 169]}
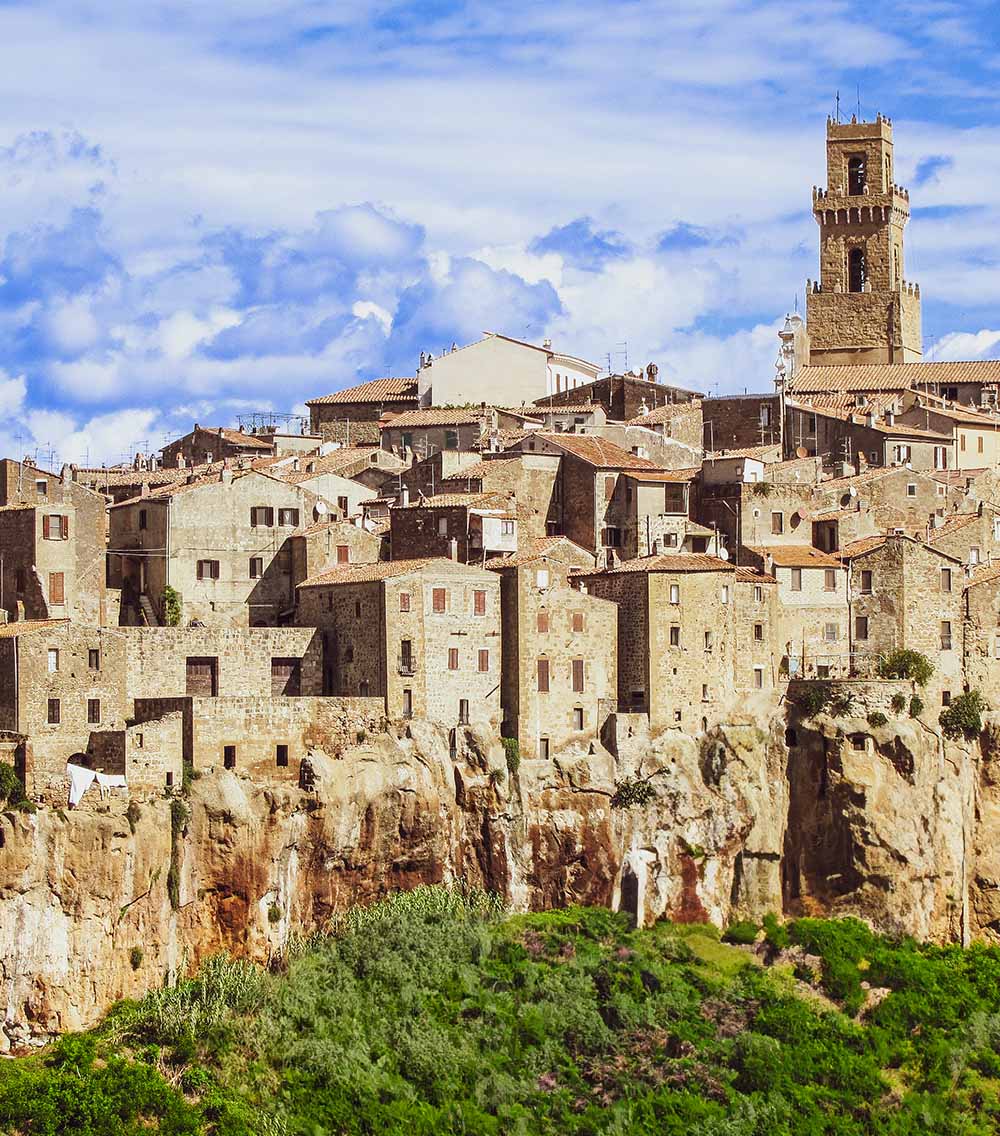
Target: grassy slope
{"type": "Point", "coordinates": [430, 1014]}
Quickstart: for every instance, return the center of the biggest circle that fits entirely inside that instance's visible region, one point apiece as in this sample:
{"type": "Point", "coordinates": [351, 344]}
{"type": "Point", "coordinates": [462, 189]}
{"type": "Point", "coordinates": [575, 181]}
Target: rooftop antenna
{"type": "Point", "coordinates": [859, 102]}
{"type": "Point", "coordinates": [838, 106]}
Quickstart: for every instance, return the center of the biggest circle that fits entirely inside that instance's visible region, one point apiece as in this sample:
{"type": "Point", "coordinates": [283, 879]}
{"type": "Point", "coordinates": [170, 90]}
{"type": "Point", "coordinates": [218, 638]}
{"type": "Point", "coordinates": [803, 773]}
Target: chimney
{"type": "Point", "coordinates": [453, 549]}
{"type": "Point", "coordinates": [404, 496]}
{"type": "Point", "coordinates": [227, 476]}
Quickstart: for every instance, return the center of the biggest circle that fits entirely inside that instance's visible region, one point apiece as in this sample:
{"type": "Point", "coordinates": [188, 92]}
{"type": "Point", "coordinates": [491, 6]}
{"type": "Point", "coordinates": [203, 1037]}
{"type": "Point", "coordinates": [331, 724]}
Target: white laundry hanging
{"type": "Point", "coordinates": [108, 781]}
{"type": "Point", "coordinates": [80, 780]}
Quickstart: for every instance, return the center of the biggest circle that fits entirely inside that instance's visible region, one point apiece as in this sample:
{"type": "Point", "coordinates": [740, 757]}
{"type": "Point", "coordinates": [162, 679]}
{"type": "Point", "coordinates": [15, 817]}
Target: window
{"type": "Point", "coordinates": [256, 567]}
{"type": "Point", "coordinates": [979, 444]}
{"type": "Point", "coordinates": [704, 692]}
{"type": "Point", "coordinates": [201, 677]}
{"type": "Point", "coordinates": [364, 688]}
{"type": "Point", "coordinates": [439, 600]}
{"type": "Point", "coordinates": [281, 754]}
{"type": "Point", "coordinates": [463, 711]}
{"type": "Point", "coordinates": [578, 718]}
{"type": "Point", "coordinates": [830, 579]}
{"type": "Point", "coordinates": [578, 675]}
{"type": "Point", "coordinates": [453, 658]}
{"type": "Point", "coordinates": [349, 654]}
{"type": "Point", "coordinates": [675, 593]}
{"type": "Point", "coordinates": [142, 518]}
{"type": "Point", "coordinates": [19, 579]}
{"type": "Point", "coordinates": [758, 678]}
{"type": "Point", "coordinates": [484, 662]}
{"type": "Point", "coordinates": [55, 527]}
{"type": "Point", "coordinates": [542, 622]}
{"type": "Point", "coordinates": [406, 440]}
{"type": "Point", "coordinates": [945, 579]}
{"type": "Point", "coordinates": [543, 676]}
{"type": "Point", "coordinates": [543, 748]}
{"type": "Point", "coordinates": [57, 588]}
{"type": "Point", "coordinates": [404, 601]}
{"type": "Point", "coordinates": [859, 741]}
{"type": "Point", "coordinates": [451, 439]}
{"type": "Point", "coordinates": [406, 665]}
{"type": "Point", "coordinates": [542, 578]}
{"type": "Point", "coordinates": [609, 487]}
{"type": "Point", "coordinates": [973, 555]}
{"type": "Point", "coordinates": [94, 659]}
{"type": "Point", "coordinates": [343, 554]}
{"type": "Point", "coordinates": [699, 544]}
{"type": "Point", "coordinates": [286, 677]}
{"type": "Point", "coordinates": [911, 490]}
{"type": "Point", "coordinates": [866, 582]}
{"type": "Point", "coordinates": [961, 443]}
{"type": "Point", "coordinates": [796, 579]}
{"type": "Point", "coordinates": [208, 570]}
{"type": "Point", "coordinates": [442, 526]}
{"type": "Point", "coordinates": [52, 716]}
{"type": "Point", "coordinates": [53, 660]}
{"type": "Point", "coordinates": [261, 516]}
{"type": "Point", "coordinates": [288, 517]}
{"type": "Point", "coordinates": [675, 635]}
{"type": "Point", "coordinates": [996, 646]}
{"type": "Point", "coordinates": [41, 488]}
{"type": "Point", "coordinates": [407, 702]}
{"type": "Point", "coordinates": [708, 641]}
{"type": "Point", "coordinates": [758, 594]}
{"type": "Point", "coordinates": [945, 635]}
{"type": "Point", "coordinates": [777, 523]}
{"type": "Point", "coordinates": [578, 621]}
{"type": "Point", "coordinates": [343, 505]}
{"type": "Point", "coordinates": [758, 632]}
{"type": "Point", "coordinates": [725, 593]}
{"type": "Point", "coordinates": [229, 757]}
{"type": "Point", "coordinates": [479, 602]}
{"type": "Point", "coordinates": [506, 528]}
{"type": "Point", "coordinates": [901, 454]}
{"type": "Point", "coordinates": [137, 741]}
{"type": "Point", "coordinates": [945, 697]}
{"type": "Point", "coordinates": [670, 540]}
{"type": "Point", "coordinates": [93, 711]}
{"type": "Point", "coordinates": [830, 632]}
{"type": "Point", "coordinates": [857, 270]}
{"type": "Point", "coordinates": [612, 537]}
{"type": "Point", "coordinates": [861, 627]}
{"type": "Point", "coordinates": [856, 176]}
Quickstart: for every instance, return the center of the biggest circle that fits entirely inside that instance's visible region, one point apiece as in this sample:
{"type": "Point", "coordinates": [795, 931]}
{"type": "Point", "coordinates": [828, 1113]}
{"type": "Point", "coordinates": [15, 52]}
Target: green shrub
{"type": "Point", "coordinates": [898, 702]}
{"type": "Point", "coordinates": [906, 664]}
{"type": "Point", "coordinates": [135, 957]}
{"type": "Point", "coordinates": [775, 933]}
{"type": "Point", "coordinates": [842, 704]}
{"type": "Point", "coordinates": [512, 751]}
{"type": "Point", "coordinates": [815, 697]}
{"type": "Point", "coordinates": [274, 913]}
{"type": "Point", "coordinates": [11, 789]}
{"type": "Point", "coordinates": [632, 792]}
{"type": "Point", "coordinates": [964, 717]}
{"type": "Point", "coordinates": [743, 932]}
{"type": "Point", "coordinates": [171, 602]}
{"type": "Point", "coordinates": [876, 718]}
{"type": "Point", "coordinates": [916, 706]}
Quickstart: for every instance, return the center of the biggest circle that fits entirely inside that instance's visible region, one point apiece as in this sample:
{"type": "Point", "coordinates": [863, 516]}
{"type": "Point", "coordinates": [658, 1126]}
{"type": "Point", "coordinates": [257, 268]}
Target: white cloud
{"type": "Point", "coordinates": [13, 389]}
{"type": "Point", "coordinates": [956, 345]}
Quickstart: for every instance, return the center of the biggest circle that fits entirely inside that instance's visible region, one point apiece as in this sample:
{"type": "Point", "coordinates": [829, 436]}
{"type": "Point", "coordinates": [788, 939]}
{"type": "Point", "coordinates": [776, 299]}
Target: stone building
{"type": "Point", "coordinates": [423, 635]}
{"type": "Point", "coordinates": [741, 421]}
{"type": "Point", "coordinates": [468, 527]}
{"type": "Point", "coordinates": [652, 511]}
{"type": "Point", "coordinates": [981, 632]}
{"type": "Point", "coordinates": [207, 444]}
{"type": "Point", "coordinates": [559, 677]}
{"type": "Point", "coordinates": [52, 542]}
{"type": "Point", "coordinates": [863, 437]}
{"type": "Point", "coordinates": [624, 397]}
{"type": "Point", "coordinates": [758, 662]}
{"type": "Point", "coordinates": [531, 478]}
{"type": "Point", "coordinates": [329, 543]}
{"type": "Point", "coordinates": [221, 542]}
{"type": "Point", "coordinates": [894, 498]}
{"type": "Point", "coordinates": [336, 476]}
{"type": "Point", "coordinates": [973, 537]}
{"type": "Point", "coordinates": [62, 693]}
{"type": "Point", "coordinates": [861, 309]}
{"type": "Point", "coordinates": [352, 416]}
{"type": "Point", "coordinates": [906, 595]}
{"type": "Point", "coordinates": [812, 632]}
{"type": "Point", "coordinates": [418, 434]}
{"type": "Point", "coordinates": [571, 417]}
{"type": "Point", "coordinates": [676, 637]}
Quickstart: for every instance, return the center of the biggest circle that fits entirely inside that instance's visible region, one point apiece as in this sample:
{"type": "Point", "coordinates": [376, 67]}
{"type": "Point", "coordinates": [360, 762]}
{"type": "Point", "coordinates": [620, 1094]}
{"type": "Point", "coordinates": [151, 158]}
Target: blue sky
{"type": "Point", "coordinates": [212, 208]}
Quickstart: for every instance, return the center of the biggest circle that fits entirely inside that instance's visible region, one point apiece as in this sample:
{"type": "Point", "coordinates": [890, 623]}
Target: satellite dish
{"type": "Point", "coordinates": [853, 491]}
{"type": "Point", "coordinates": [723, 553]}
{"type": "Point", "coordinates": [320, 510]}
{"type": "Point", "coordinates": [802, 452]}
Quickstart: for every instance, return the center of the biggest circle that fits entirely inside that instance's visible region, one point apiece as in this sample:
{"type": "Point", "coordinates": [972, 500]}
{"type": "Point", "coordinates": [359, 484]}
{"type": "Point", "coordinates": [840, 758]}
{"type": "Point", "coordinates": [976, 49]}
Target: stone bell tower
{"type": "Point", "coordinates": [861, 310]}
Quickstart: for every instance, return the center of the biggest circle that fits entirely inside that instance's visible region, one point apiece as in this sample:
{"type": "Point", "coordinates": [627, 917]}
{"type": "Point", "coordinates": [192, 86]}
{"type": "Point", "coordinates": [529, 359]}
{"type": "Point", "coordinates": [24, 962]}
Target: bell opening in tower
{"type": "Point", "coordinates": [856, 270]}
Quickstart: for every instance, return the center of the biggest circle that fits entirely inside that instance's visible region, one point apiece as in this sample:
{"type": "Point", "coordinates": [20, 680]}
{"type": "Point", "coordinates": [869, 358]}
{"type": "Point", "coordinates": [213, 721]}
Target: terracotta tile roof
{"type": "Point", "coordinates": [239, 438]}
{"type": "Point", "coordinates": [567, 408]}
{"type": "Point", "coordinates": [877, 401]}
{"type": "Point", "coordinates": [460, 500]}
{"type": "Point", "coordinates": [798, 556]}
{"type": "Point", "coordinates": [761, 452]}
{"type": "Point", "coordinates": [951, 525]}
{"type": "Point", "coordinates": [20, 508]}
{"type": "Point", "coordinates": [894, 376]}
{"type": "Point", "coordinates": [383, 570]}
{"type": "Point", "coordinates": [483, 467]}
{"type": "Point", "coordinates": [858, 417]}
{"type": "Point", "coordinates": [212, 477]}
{"type": "Point", "coordinates": [667, 475]}
{"type": "Point", "coordinates": [504, 439]}
{"type": "Point", "coordinates": [958, 413]}
{"type": "Point", "coordinates": [860, 547]}
{"type": "Point", "coordinates": [349, 458]}
{"type": "Point", "coordinates": [753, 576]}
{"type": "Point", "coordinates": [28, 626]}
{"type": "Point", "coordinates": [435, 416]}
{"type": "Point", "coordinates": [97, 478]}
{"type": "Point", "coordinates": [534, 550]}
{"type": "Point", "coordinates": [873, 474]}
{"type": "Point", "coordinates": [664, 563]}
{"type": "Point", "coordinates": [984, 575]}
{"type": "Point", "coordinates": [377, 390]}
{"type": "Point", "coordinates": [598, 452]}
{"type": "Point", "coordinates": [956, 476]}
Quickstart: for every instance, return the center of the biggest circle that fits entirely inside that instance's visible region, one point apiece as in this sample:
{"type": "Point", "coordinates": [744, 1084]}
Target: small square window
{"type": "Point", "coordinates": [866, 582]}
{"type": "Point", "coordinates": [281, 754]}
{"type": "Point", "coordinates": [911, 489]}
{"type": "Point", "coordinates": [94, 659]}
{"type": "Point", "coordinates": [945, 697]}
{"type": "Point", "coordinates": [578, 718]}
{"type": "Point", "coordinates": [229, 756]}
{"type": "Point", "coordinates": [758, 678]}
{"type": "Point", "coordinates": [796, 579]}
{"type": "Point", "coordinates": [256, 567]}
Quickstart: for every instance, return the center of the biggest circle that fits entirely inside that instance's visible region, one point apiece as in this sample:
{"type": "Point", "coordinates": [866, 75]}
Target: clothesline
{"type": "Point", "coordinates": [81, 778]}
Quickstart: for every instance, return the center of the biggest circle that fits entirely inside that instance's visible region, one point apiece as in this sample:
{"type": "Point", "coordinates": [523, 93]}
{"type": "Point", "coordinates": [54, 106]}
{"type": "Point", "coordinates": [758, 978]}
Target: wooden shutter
{"type": "Point", "coordinates": [578, 674]}
{"type": "Point", "coordinates": [577, 620]}
{"type": "Point", "coordinates": [286, 676]}
{"type": "Point", "coordinates": [64, 528]}
{"type": "Point", "coordinates": [46, 527]}
{"type": "Point", "coordinates": [343, 554]}
{"type": "Point", "coordinates": [201, 677]}
{"type": "Point", "coordinates": [543, 675]}
{"type": "Point", "coordinates": [440, 599]}
{"type": "Point", "coordinates": [453, 658]}
{"type": "Point", "coordinates": [480, 602]}
{"type": "Point", "coordinates": [484, 661]}
{"type": "Point", "coordinates": [543, 621]}
{"type": "Point", "coordinates": [57, 588]}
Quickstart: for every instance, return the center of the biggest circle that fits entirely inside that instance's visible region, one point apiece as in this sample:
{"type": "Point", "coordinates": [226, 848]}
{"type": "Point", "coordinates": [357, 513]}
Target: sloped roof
{"type": "Point", "coordinates": [798, 556]}
{"type": "Point", "coordinates": [235, 437]}
{"type": "Point", "coordinates": [893, 376]}
{"type": "Point", "coordinates": [596, 451]}
{"type": "Point", "coordinates": [664, 563]}
{"type": "Point", "coordinates": [435, 416]}
{"type": "Point", "coordinates": [984, 575]}
{"type": "Point", "coordinates": [857, 417]}
{"type": "Point", "coordinates": [535, 550]}
{"type": "Point", "coordinates": [383, 570]}
{"type": "Point", "coordinates": [951, 525]}
{"type": "Point", "coordinates": [460, 500]}
{"type": "Point", "coordinates": [860, 547]}
{"type": "Point", "coordinates": [753, 576]}
{"type": "Point", "coordinates": [667, 475]}
{"type": "Point", "coordinates": [377, 390]}
{"type": "Point", "coordinates": [878, 401]}
{"type": "Point", "coordinates": [663, 413]}
{"type": "Point", "coordinates": [29, 626]}
{"type": "Point", "coordinates": [567, 408]}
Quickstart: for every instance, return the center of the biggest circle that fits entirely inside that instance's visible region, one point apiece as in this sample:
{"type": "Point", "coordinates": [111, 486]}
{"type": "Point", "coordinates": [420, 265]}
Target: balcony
{"type": "Point", "coordinates": [407, 665]}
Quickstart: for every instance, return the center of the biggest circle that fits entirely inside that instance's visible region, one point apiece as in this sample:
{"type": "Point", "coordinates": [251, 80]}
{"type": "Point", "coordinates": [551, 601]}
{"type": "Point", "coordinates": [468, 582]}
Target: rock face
{"type": "Point", "coordinates": [770, 812]}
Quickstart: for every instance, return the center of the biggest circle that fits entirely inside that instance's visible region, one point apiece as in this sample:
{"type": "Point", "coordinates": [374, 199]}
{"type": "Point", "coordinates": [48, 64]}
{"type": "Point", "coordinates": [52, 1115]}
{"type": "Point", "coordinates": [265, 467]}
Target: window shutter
{"type": "Point", "coordinates": [64, 526]}
{"type": "Point", "coordinates": [480, 603]}
{"type": "Point", "coordinates": [543, 675]}
{"type": "Point", "coordinates": [578, 674]}
{"type": "Point", "coordinates": [57, 588]}
{"type": "Point", "coordinates": [46, 527]}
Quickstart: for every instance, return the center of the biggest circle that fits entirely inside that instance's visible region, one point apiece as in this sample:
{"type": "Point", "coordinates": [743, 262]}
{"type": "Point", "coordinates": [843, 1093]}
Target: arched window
{"type": "Point", "coordinates": [857, 270]}
{"type": "Point", "coordinates": [856, 175]}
